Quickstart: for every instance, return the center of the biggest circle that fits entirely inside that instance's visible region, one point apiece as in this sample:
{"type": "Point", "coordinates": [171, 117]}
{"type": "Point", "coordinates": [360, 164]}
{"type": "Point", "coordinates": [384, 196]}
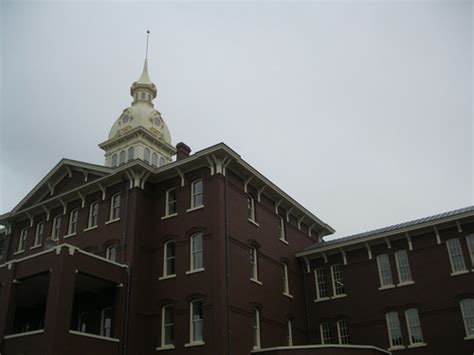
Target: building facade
{"type": "Point", "coordinates": [202, 254]}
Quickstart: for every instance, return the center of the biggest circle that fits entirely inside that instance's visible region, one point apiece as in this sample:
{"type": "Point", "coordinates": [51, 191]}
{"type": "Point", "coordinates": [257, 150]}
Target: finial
{"type": "Point", "coordinates": [147, 38]}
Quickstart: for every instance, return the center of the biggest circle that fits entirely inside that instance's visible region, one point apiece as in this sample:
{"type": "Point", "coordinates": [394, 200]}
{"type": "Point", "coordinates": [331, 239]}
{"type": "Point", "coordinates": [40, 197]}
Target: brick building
{"type": "Point", "coordinates": [202, 254]}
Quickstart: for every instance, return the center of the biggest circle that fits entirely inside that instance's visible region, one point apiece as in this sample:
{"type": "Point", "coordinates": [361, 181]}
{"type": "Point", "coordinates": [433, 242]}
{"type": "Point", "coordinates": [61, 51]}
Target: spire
{"type": "Point", "coordinates": [145, 78]}
{"type": "Point", "coordinates": [143, 90]}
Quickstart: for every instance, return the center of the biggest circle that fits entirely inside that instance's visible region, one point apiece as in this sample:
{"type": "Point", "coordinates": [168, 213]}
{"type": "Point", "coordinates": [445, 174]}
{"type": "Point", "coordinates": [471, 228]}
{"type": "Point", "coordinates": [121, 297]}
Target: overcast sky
{"type": "Point", "coordinates": [362, 111]}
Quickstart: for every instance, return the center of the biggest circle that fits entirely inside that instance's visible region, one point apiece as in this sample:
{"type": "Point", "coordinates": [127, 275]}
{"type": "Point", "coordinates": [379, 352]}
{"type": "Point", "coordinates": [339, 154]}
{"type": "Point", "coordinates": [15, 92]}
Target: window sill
{"type": "Point", "coordinates": [165, 347]}
{"type": "Point", "coordinates": [19, 252]}
{"type": "Point", "coordinates": [407, 283]}
{"type": "Point", "coordinates": [90, 228]}
{"type": "Point", "coordinates": [196, 343]}
{"type": "Point", "coordinates": [339, 296]}
{"type": "Point", "coordinates": [416, 345]}
{"type": "Point", "coordinates": [69, 235]}
{"type": "Point", "coordinates": [253, 222]}
{"type": "Point", "coordinates": [397, 347]}
{"type": "Point", "coordinates": [284, 241]}
{"type": "Point", "coordinates": [166, 217]}
{"type": "Point", "coordinates": [381, 288]}
{"type": "Point", "coordinates": [287, 295]}
{"type": "Point", "coordinates": [469, 337]}
{"type": "Point", "coordinates": [36, 246]}
{"type": "Point", "coordinates": [256, 281]}
{"type": "Point", "coordinates": [195, 271]}
{"type": "Point", "coordinates": [321, 299]}
{"type": "Point", "coordinates": [459, 273]}
{"type": "Point", "coordinates": [194, 208]}
{"type": "Point", "coordinates": [112, 220]}
{"type": "Point", "coordinates": [167, 277]}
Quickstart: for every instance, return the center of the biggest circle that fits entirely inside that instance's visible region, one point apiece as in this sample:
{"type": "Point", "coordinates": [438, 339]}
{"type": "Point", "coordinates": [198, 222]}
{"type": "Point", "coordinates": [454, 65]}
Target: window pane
{"type": "Point", "coordinates": [385, 272]}
{"type": "Point", "coordinates": [470, 244]}
{"type": "Point", "coordinates": [414, 327]}
{"type": "Point", "coordinates": [320, 284]}
{"type": "Point", "coordinates": [343, 331]}
{"type": "Point", "coordinates": [394, 330]}
{"type": "Point", "coordinates": [404, 272]}
{"type": "Point", "coordinates": [197, 320]}
{"type": "Point", "coordinates": [455, 255]}
{"type": "Point", "coordinates": [467, 309]}
{"type": "Point", "coordinates": [338, 282]}
{"type": "Point", "coordinates": [326, 336]}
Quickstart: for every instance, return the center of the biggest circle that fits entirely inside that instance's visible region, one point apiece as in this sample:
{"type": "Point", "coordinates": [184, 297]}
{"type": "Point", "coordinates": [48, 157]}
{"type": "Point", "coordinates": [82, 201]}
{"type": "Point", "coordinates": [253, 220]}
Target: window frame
{"type": "Point", "coordinates": [289, 325]}
{"type": "Point", "coordinates": [325, 329]}
{"type": "Point", "coordinates": [398, 262]}
{"type": "Point", "coordinates": [73, 222]}
{"type": "Point", "coordinates": [470, 247]}
{"type": "Point", "coordinates": [39, 234]}
{"type": "Point", "coordinates": [166, 258]}
{"type": "Point", "coordinates": [114, 212]}
{"type": "Point", "coordinates": [103, 329]}
{"type": "Point", "coordinates": [452, 256]}
{"type": "Point", "coordinates": [56, 227]}
{"type": "Point", "coordinates": [286, 280]}
{"type": "Point", "coordinates": [343, 335]}
{"type": "Point", "coordinates": [164, 326]}
{"type": "Point", "coordinates": [91, 216]}
{"type": "Point", "coordinates": [257, 335]}
{"type": "Point", "coordinates": [168, 202]}
{"type": "Point", "coordinates": [193, 252]}
{"type": "Point", "coordinates": [251, 212]}
{"type": "Point", "coordinates": [410, 325]}
{"type": "Point", "coordinates": [336, 269]}
{"type": "Point", "coordinates": [281, 229]}
{"type": "Point", "coordinates": [381, 258]}
{"type": "Point", "coordinates": [254, 264]}
{"type": "Point", "coordinates": [466, 317]}
{"type": "Point", "coordinates": [317, 280]}
{"type": "Point", "coordinates": [22, 240]}
{"type": "Point", "coordinates": [108, 254]}
{"type": "Point", "coordinates": [195, 194]}
{"type": "Point", "coordinates": [192, 340]}
{"type": "Point", "coordinates": [390, 330]}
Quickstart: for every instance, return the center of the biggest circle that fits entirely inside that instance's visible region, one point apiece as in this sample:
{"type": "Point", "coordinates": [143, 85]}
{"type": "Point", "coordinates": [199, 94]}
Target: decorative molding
{"type": "Point", "coordinates": [288, 213]}
{"type": "Point", "coordinates": [102, 189]}
{"type": "Point", "coordinates": [344, 256]}
{"type": "Point", "coordinates": [277, 205]}
{"type": "Point", "coordinates": [69, 171]}
{"type": "Point", "coordinates": [259, 192]}
{"type": "Point", "coordinates": [30, 217]}
{"type": "Point", "coordinates": [83, 199]}
{"type": "Point", "coordinates": [458, 224]}
{"type": "Point", "coordinates": [438, 237]}
{"type": "Point", "coordinates": [181, 175]}
{"type": "Point", "coordinates": [310, 230]}
{"type": "Point", "coordinates": [64, 206]}
{"type": "Point", "coordinates": [50, 187]}
{"type": "Point", "coordinates": [211, 164]}
{"type": "Point", "coordinates": [410, 245]}
{"type": "Point", "coordinates": [300, 220]}
{"type": "Point", "coordinates": [387, 241]}
{"type": "Point", "coordinates": [246, 183]}
{"type": "Point", "coordinates": [369, 251]}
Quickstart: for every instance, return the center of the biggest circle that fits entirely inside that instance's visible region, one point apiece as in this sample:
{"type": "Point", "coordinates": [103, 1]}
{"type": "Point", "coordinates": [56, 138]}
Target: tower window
{"type": "Point", "coordinates": [114, 160]}
{"type": "Point", "coordinates": [122, 157]}
{"type": "Point", "coordinates": [131, 153]}
{"type": "Point", "coordinates": [154, 159]}
{"type": "Point", "coordinates": [146, 155]}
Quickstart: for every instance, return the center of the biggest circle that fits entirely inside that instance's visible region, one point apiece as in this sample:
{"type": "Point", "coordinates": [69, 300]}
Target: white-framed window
{"type": "Point", "coordinates": [73, 218]}
{"type": "Point", "coordinates": [321, 291]}
{"type": "Point", "coordinates": [167, 325]}
{"type": "Point", "coordinates": [289, 336]}
{"type": "Point", "coordinates": [22, 240]}
{"type": "Point", "coordinates": [93, 214]}
{"type": "Point", "coordinates": [39, 236]}
{"type": "Point", "coordinates": [394, 329]}
{"type": "Point", "coordinates": [251, 208]}
{"type": "Point", "coordinates": [82, 322]}
{"type": "Point", "coordinates": [169, 258]}
{"type": "Point", "coordinates": [146, 155]}
{"type": "Point", "coordinates": [154, 159]}
{"type": "Point", "coordinates": [122, 157]}
{"type": "Point", "coordinates": [162, 161]}
{"type": "Point", "coordinates": [56, 230]}
{"type": "Point", "coordinates": [111, 253]}
{"type": "Point", "coordinates": [326, 334]}
{"type": "Point", "coordinates": [106, 322]}
{"type": "Point", "coordinates": [467, 311]}
{"type": "Point", "coordinates": [470, 245]}
{"type": "Point", "coordinates": [131, 153]}
{"type": "Point", "coordinates": [114, 160]}
{"type": "Point", "coordinates": [196, 322]}
{"type": "Point", "coordinates": [281, 228]}
{"type": "Point", "coordinates": [171, 204]}
{"type": "Point", "coordinates": [337, 280]}
{"type": "Point", "coordinates": [455, 255]}
{"type": "Point", "coordinates": [197, 252]}
{"type": "Point", "coordinates": [196, 194]}
{"type": "Point", "coordinates": [414, 327]}
{"type": "Point", "coordinates": [253, 263]}
{"type": "Point", "coordinates": [256, 328]}
{"type": "Point", "coordinates": [403, 266]}
{"type": "Point", "coordinates": [286, 281]}
{"type": "Point", "coordinates": [385, 271]}
{"type": "Point", "coordinates": [343, 331]}
{"type": "Point", "coordinates": [115, 207]}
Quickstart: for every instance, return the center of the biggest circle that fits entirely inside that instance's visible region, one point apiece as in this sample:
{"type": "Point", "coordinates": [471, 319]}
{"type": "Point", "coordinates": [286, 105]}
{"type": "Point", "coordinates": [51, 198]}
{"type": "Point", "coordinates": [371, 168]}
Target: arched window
{"type": "Point", "coordinates": [122, 157]}
{"type": "Point", "coordinates": [114, 160]}
{"type": "Point", "coordinates": [254, 264]}
{"type": "Point", "coordinates": [93, 214]}
{"type": "Point", "coordinates": [251, 208]}
{"type": "Point", "coordinates": [162, 161]}
{"type": "Point", "coordinates": [170, 208]}
{"type": "Point", "coordinates": [196, 322]}
{"type": "Point", "coordinates": [169, 259]}
{"type": "Point", "coordinates": [22, 240]}
{"type": "Point", "coordinates": [256, 328]}
{"type": "Point", "coordinates": [197, 252]}
{"type": "Point", "coordinates": [154, 159]}
{"type": "Point", "coordinates": [131, 153]}
{"type": "Point", "coordinates": [146, 155]}
{"type": "Point", "coordinates": [196, 194]}
{"type": "Point", "coordinates": [142, 95]}
{"type": "Point", "coordinates": [167, 325]}
{"type": "Point", "coordinates": [73, 218]}
{"type": "Point", "coordinates": [114, 207]}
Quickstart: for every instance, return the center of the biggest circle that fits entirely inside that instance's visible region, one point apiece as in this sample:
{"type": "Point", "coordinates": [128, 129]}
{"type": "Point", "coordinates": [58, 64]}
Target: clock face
{"type": "Point", "coordinates": [125, 118]}
{"type": "Point", "coordinates": [157, 121]}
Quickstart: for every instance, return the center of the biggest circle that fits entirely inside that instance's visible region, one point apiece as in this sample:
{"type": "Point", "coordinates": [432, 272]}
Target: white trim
{"type": "Point", "coordinates": [296, 347]}
{"type": "Point", "coordinates": [24, 334]}
{"type": "Point", "coordinates": [191, 320]}
{"type": "Point", "coordinates": [74, 332]}
{"type": "Point", "coordinates": [339, 296]}
{"type": "Point", "coordinates": [167, 277]}
{"type": "Point", "coordinates": [90, 228]}
{"type": "Point", "coordinates": [460, 273]}
{"type": "Point", "coordinates": [201, 269]}
{"type": "Point", "coordinates": [379, 267]}
{"type": "Point", "coordinates": [287, 295]}
{"type": "Point", "coordinates": [195, 208]}
{"type": "Point", "coordinates": [470, 337]}
{"type": "Point", "coordinates": [89, 215]}
{"type": "Point", "coordinates": [165, 259]}
{"type": "Point", "coordinates": [286, 280]}
{"type": "Point", "coordinates": [163, 345]}
{"type": "Point", "coordinates": [284, 241]}
{"type": "Point", "coordinates": [318, 293]}
{"type": "Point", "coordinates": [289, 325]}
{"type": "Point", "coordinates": [397, 263]}
{"type": "Point", "coordinates": [112, 220]}
{"type": "Point", "coordinates": [397, 347]}
{"type": "Point", "coordinates": [410, 336]}
{"type": "Point", "coordinates": [407, 283]}
{"type": "Point", "coordinates": [192, 251]}
{"type": "Point", "coordinates": [69, 235]}
{"type": "Point", "coordinates": [321, 299]}
{"type": "Point", "coordinates": [36, 246]}
{"type": "Point", "coordinates": [258, 282]}
{"type": "Point", "coordinates": [381, 288]}
{"type": "Point", "coordinates": [253, 222]}
{"type": "Point", "coordinates": [196, 343]}
{"type": "Point", "coordinates": [257, 329]}
{"type": "Point", "coordinates": [193, 194]}
{"type": "Point", "coordinates": [416, 345]}
{"type": "Point", "coordinates": [167, 202]}
{"type": "Point", "coordinates": [166, 217]}
{"type": "Point", "coordinates": [166, 347]}
{"type": "Point", "coordinates": [97, 257]}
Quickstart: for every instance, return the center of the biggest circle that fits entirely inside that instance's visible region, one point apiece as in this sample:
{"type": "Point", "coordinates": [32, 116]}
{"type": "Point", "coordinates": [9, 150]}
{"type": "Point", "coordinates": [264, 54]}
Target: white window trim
{"type": "Point", "coordinates": [89, 218]}
{"type": "Point", "coordinates": [390, 338]}
{"type": "Point", "coordinates": [22, 241]}
{"type": "Point", "coordinates": [111, 219]}
{"type": "Point", "coordinates": [191, 328]}
{"type": "Point", "coordinates": [420, 343]}
{"type": "Point", "coordinates": [323, 342]}
{"type": "Point", "coordinates": [400, 282]}
{"type": "Point", "coordinates": [281, 230]}
{"type": "Point", "coordinates": [102, 324]}
{"type": "Point", "coordinates": [163, 345]}
{"type": "Point", "coordinates": [253, 212]}
{"type": "Point", "coordinates": [286, 281]}
{"type": "Point", "coordinates": [379, 267]}
{"type": "Point", "coordinates": [191, 254]}
{"type": "Point", "coordinates": [258, 339]}
{"type": "Point", "coordinates": [165, 257]}
{"type": "Point", "coordinates": [463, 314]}
{"type": "Point", "coordinates": [290, 332]}
{"type": "Point", "coordinates": [454, 272]}
{"type": "Point", "coordinates": [167, 200]}
{"type": "Point", "coordinates": [55, 221]}
{"type": "Point", "coordinates": [254, 275]}
{"type": "Point", "coordinates": [470, 248]}
{"type": "Point", "coordinates": [36, 242]}
{"type": "Point", "coordinates": [339, 333]}
{"type": "Point", "coordinates": [70, 233]}
{"type": "Point", "coordinates": [334, 294]}
{"type": "Point", "coordinates": [318, 294]}
{"type": "Point", "coordinates": [192, 206]}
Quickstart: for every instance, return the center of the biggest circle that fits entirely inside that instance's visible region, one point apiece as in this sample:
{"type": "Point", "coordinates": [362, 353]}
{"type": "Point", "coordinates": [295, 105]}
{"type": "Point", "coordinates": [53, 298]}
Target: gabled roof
{"type": "Point", "coordinates": [390, 230]}
{"type": "Point", "coordinates": [65, 166]}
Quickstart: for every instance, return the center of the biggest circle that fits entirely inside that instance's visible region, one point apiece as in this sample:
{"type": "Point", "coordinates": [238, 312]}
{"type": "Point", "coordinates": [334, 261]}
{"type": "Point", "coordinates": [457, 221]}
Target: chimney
{"type": "Point", "coordinates": [182, 151]}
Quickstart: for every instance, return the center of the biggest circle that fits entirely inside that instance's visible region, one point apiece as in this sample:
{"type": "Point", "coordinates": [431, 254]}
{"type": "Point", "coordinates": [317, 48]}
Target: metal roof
{"type": "Point", "coordinates": [393, 228]}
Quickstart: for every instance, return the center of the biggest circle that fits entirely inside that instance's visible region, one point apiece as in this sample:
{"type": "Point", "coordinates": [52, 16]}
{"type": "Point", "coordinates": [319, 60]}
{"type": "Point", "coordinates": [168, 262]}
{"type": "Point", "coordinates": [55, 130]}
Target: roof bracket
{"type": "Point", "coordinates": [102, 188]}
{"type": "Point", "coordinates": [387, 241]}
{"type": "Point", "coordinates": [438, 237]}
{"type": "Point", "coordinates": [181, 175]}
{"type": "Point", "coordinates": [325, 257]}
{"type": "Point", "coordinates": [369, 251]}
{"type": "Point", "coordinates": [259, 193]}
{"type": "Point", "coordinates": [50, 187]}
{"type": "Point", "coordinates": [300, 220]}
{"type": "Point", "coordinates": [277, 204]}
{"type": "Point", "coordinates": [410, 245]}
{"type": "Point", "coordinates": [310, 229]}
{"type": "Point", "coordinates": [225, 163]}
{"type": "Point", "coordinates": [458, 224]}
{"type": "Point", "coordinates": [83, 199]}
{"type": "Point", "coordinates": [64, 206]}
{"type": "Point", "coordinates": [246, 183]}
{"type": "Point", "coordinates": [344, 257]}
{"type": "Point", "coordinates": [307, 264]}
{"type": "Point", "coordinates": [288, 213]}
{"type": "Point", "coordinates": [30, 217]}
{"type": "Point", "coordinates": [69, 171]}
{"type": "Point", "coordinates": [211, 164]}
{"type": "Point", "coordinates": [47, 211]}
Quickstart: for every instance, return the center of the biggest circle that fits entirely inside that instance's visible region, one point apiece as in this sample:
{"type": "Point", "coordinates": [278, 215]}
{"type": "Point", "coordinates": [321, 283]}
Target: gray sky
{"type": "Point", "coordinates": [362, 111]}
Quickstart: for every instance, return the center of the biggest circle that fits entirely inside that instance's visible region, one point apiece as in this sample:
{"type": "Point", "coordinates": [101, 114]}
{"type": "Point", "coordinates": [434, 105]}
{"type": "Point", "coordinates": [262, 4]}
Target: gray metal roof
{"type": "Point", "coordinates": [394, 228]}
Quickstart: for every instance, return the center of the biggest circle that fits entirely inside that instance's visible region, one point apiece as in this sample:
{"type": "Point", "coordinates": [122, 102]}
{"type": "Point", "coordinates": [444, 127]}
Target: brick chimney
{"type": "Point", "coordinates": [182, 151]}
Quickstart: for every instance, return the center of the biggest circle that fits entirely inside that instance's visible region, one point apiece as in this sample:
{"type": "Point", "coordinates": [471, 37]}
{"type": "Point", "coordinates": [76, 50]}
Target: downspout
{"type": "Point", "coordinates": [129, 271]}
{"type": "Point", "coordinates": [308, 311]}
{"type": "Point", "coordinates": [227, 287]}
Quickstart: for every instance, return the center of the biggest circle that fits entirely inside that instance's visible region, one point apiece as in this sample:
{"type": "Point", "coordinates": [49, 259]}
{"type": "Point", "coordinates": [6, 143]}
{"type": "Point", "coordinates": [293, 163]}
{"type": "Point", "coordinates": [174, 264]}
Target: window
{"type": "Point", "coordinates": [197, 262]}
{"type": "Point", "coordinates": [196, 194]}
{"type": "Point", "coordinates": [414, 326]}
{"type": "Point", "coordinates": [39, 234]}
{"type": "Point", "coordinates": [93, 214]}
{"type": "Point", "coordinates": [73, 217]}
{"type": "Point", "coordinates": [146, 155]}
{"type": "Point", "coordinates": [394, 330]}
{"type": "Point", "coordinates": [321, 292]}
{"type": "Point", "coordinates": [154, 159]}
{"type": "Point", "coordinates": [253, 263]}
{"type": "Point", "coordinates": [131, 153]}
{"type": "Point", "coordinates": [403, 267]}
{"type": "Point", "coordinates": [467, 310]}
{"type": "Point", "coordinates": [111, 253]}
{"type": "Point", "coordinates": [256, 328]}
{"type": "Point", "coordinates": [171, 202]}
{"type": "Point", "coordinates": [281, 228]}
{"type": "Point", "coordinates": [122, 157]}
{"type": "Point", "coordinates": [162, 161]}
{"type": "Point", "coordinates": [167, 325]}
{"type": "Point", "coordinates": [326, 336]}
{"type": "Point", "coordinates": [106, 323]}
{"type": "Point", "coordinates": [455, 255]}
{"type": "Point", "coordinates": [196, 326]}
{"type": "Point", "coordinates": [385, 272]}
{"type": "Point", "coordinates": [251, 208]}
{"type": "Point", "coordinates": [286, 282]}
{"type": "Point", "coordinates": [56, 228]}
{"type": "Point", "coordinates": [114, 160]}
{"type": "Point", "coordinates": [290, 333]}
{"type": "Point", "coordinates": [169, 258]}
{"type": "Point", "coordinates": [115, 207]}
{"type": "Point", "coordinates": [82, 322]}
{"type": "Point", "coordinates": [22, 240]}
{"type": "Point", "coordinates": [337, 280]}
{"type": "Point", "coordinates": [470, 245]}
{"type": "Point", "coordinates": [343, 331]}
